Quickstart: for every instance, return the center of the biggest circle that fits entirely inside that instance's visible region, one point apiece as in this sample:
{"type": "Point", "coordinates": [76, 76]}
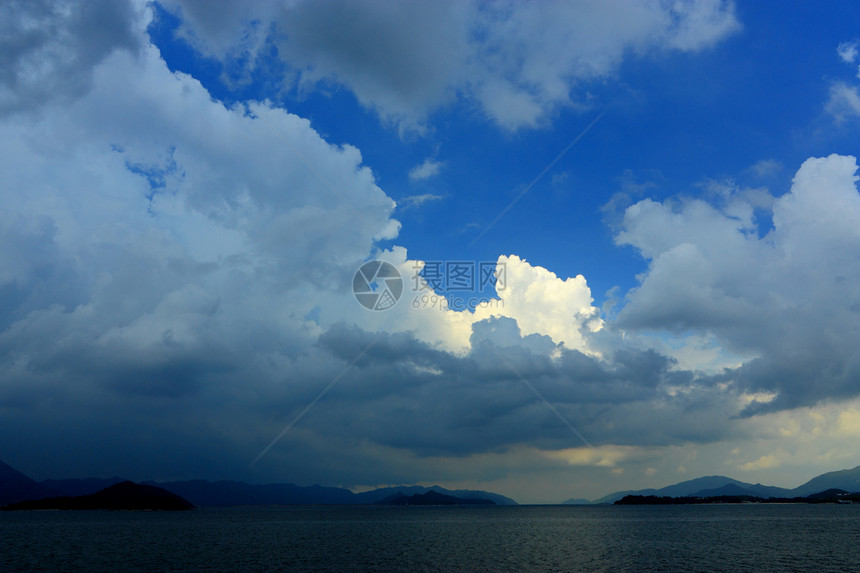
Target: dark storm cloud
{"type": "Point", "coordinates": [403, 393]}
{"type": "Point", "coordinates": [48, 49]}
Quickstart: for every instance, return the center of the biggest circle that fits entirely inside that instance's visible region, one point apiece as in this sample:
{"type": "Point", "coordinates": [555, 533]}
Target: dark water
{"type": "Point", "coordinates": [529, 538]}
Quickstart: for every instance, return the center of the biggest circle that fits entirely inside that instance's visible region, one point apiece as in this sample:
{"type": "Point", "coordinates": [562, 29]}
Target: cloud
{"type": "Point", "coordinates": [847, 51]}
{"type": "Point", "coordinates": [418, 200]}
{"type": "Point", "coordinates": [765, 168]}
{"type": "Point", "coordinates": [48, 50]}
{"type": "Point", "coordinates": [516, 62]}
{"type": "Point", "coordinates": [165, 260]}
{"type": "Point", "coordinates": [843, 102]}
{"type": "Point", "coordinates": [426, 170]}
{"type": "Point", "coordinates": [174, 282]}
{"type": "Point", "coordinates": [764, 462]}
{"type": "Point", "coordinates": [785, 295]}
{"type": "Point", "coordinates": [542, 303]}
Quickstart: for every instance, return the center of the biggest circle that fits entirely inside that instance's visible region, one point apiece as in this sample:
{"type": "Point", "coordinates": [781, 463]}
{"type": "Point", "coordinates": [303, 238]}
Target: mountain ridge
{"type": "Point", "coordinates": [125, 495]}
{"type": "Point", "coordinates": [17, 487]}
{"type": "Point", "coordinates": [847, 480]}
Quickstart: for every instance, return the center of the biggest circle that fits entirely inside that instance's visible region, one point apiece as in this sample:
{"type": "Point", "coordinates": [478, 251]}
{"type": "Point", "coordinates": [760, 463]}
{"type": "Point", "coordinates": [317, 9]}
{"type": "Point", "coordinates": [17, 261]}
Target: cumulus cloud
{"type": "Point", "coordinates": [517, 62]}
{"type": "Point", "coordinates": [48, 50]}
{"type": "Point", "coordinates": [174, 282]}
{"type": "Point", "coordinates": [786, 295]}
{"type": "Point", "coordinates": [160, 248]}
{"type": "Point", "coordinates": [177, 267]}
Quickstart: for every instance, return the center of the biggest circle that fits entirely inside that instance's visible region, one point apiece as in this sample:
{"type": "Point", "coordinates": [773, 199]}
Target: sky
{"type": "Point", "coordinates": [612, 244]}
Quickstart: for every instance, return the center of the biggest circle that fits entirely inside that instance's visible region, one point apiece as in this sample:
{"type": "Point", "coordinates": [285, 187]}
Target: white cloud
{"type": "Point", "coordinates": [517, 61]}
{"type": "Point", "coordinates": [765, 168]}
{"type": "Point", "coordinates": [161, 252]}
{"type": "Point", "coordinates": [418, 200]}
{"type": "Point", "coordinates": [847, 51]}
{"type": "Point", "coordinates": [48, 50]}
{"type": "Point", "coordinates": [543, 303]}
{"type": "Point", "coordinates": [430, 168]}
{"type": "Point", "coordinates": [788, 297]}
{"type": "Point", "coordinates": [843, 101]}
{"type": "Point", "coordinates": [177, 275]}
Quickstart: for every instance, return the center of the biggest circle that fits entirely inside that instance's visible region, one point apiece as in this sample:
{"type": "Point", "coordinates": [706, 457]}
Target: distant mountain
{"type": "Point", "coordinates": [15, 486]}
{"type": "Point", "coordinates": [756, 490]}
{"type": "Point", "coordinates": [576, 501]}
{"type": "Point", "coordinates": [829, 494]}
{"type": "Point", "coordinates": [683, 489]}
{"type": "Point", "coordinates": [714, 486]}
{"type": "Point", "coordinates": [848, 480]}
{"type": "Point", "coordinates": [376, 495]}
{"type": "Point", "coordinates": [225, 493]}
{"type": "Point", "coordinates": [770, 491]}
{"type": "Point", "coordinates": [121, 496]}
{"type": "Point", "coordinates": [76, 487]}
{"type": "Point", "coordinates": [708, 486]}
{"type": "Point", "coordinates": [431, 498]}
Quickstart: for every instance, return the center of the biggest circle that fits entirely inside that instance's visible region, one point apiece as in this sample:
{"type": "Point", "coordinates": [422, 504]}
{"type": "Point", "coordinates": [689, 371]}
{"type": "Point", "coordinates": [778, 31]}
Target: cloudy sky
{"type": "Point", "coordinates": [627, 235]}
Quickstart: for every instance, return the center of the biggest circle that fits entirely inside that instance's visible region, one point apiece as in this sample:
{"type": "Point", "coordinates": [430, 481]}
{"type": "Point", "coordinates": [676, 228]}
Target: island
{"type": "Point", "coordinates": [827, 496]}
{"type": "Point", "coordinates": [125, 495]}
{"type": "Point", "coordinates": [432, 498]}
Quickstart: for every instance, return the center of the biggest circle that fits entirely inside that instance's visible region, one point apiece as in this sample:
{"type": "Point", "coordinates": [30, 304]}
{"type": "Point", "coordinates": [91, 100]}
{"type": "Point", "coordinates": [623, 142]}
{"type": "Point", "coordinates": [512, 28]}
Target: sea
{"type": "Point", "coordinates": [748, 537]}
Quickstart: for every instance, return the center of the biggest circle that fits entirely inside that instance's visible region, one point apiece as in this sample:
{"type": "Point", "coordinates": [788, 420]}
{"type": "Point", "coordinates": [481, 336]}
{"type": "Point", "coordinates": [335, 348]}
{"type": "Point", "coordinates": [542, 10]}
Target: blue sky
{"type": "Point", "coordinates": [675, 120]}
{"type": "Point", "coordinates": [188, 193]}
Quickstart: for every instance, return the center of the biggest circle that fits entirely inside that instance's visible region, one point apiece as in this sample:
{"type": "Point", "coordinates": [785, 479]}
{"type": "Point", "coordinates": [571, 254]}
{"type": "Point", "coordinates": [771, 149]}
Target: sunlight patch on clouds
{"type": "Point", "coordinates": [539, 301]}
{"type": "Point", "coordinates": [848, 423]}
{"type": "Point", "coordinates": [602, 456]}
{"type": "Point", "coordinates": [543, 303]}
{"type": "Point", "coordinates": [768, 461]}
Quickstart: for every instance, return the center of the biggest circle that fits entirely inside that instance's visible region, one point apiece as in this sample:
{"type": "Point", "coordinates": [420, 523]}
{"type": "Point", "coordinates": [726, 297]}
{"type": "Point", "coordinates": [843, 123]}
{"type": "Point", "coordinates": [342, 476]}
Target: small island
{"type": "Point", "coordinates": [125, 495]}
{"type": "Point", "coordinates": [827, 496]}
{"type": "Point", "coordinates": [432, 498]}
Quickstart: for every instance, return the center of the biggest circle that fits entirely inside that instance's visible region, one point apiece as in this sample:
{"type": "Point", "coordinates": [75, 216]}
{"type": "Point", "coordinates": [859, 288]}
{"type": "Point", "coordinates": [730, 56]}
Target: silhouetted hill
{"type": "Point", "coordinates": [15, 486]}
{"type": "Point", "coordinates": [225, 493]}
{"type": "Point", "coordinates": [829, 494]}
{"type": "Point", "coordinates": [431, 498]}
{"type": "Point", "coordinates": [848, 480]}
{"type": "Point", "coordinates": [379, 494]}
{"type": "Point", "coordinates": [682, 489]}
{"type": "Point", "coordinates": [576, 501]}
{"type": "Point", "coordinates": [756, 490]}
{"type": "Point", "coordinates": [728, 489]}
{"type": "Point", "coordinates": [122, 496]}
{"type": "Point", "coordinates": [76, 487]}
{"type": "Point", "coordinates": [770, 491]}
{"type": "Point", "coordinates": [710, 486]}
